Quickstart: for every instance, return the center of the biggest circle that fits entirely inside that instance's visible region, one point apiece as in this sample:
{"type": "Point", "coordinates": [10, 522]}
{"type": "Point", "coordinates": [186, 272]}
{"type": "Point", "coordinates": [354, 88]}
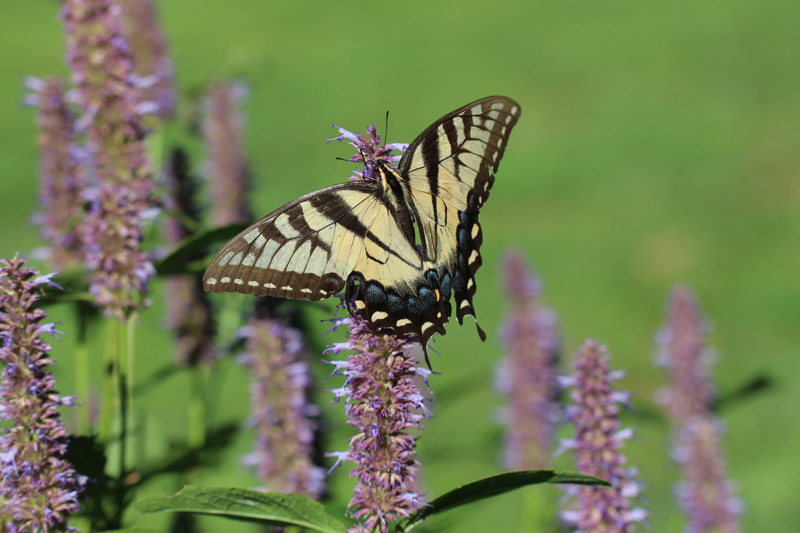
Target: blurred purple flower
{"type": "Point", "coordinates": [382, 403]}
{"type": "Point", "coordinates": [369, 149]}
{"type": "Point", "coordinates": [62, 177]}
{"type": "Point", "coordinates": [687, 360]}
{"type": "Point", "coordinates": [38, 488]}
{"type": "Point", "coordinates": [596, 447]}
{"type": "Point", "coordinates": [284, 420]}
{"type": "Point", "coordinates": [102, 69]}
{"type": "Point", "coordinates": [527, 375]}
{"type": "Point", "coordinates": [705, 494]}
{"type": "Point", "coordinates": [153, 66]}
{"type": "Point", "coordinates": [189, 313]}
{"type": "Point", "coordinates": [223, 127]}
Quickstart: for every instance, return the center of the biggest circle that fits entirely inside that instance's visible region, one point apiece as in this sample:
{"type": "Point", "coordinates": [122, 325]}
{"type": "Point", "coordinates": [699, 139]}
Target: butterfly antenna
{"type": "Point", "coordinates": [386, 129]}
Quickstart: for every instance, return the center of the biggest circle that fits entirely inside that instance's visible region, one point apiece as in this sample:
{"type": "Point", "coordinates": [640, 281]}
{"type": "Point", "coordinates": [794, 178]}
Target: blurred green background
{"type": "Point", "coordinates": [658, 143]}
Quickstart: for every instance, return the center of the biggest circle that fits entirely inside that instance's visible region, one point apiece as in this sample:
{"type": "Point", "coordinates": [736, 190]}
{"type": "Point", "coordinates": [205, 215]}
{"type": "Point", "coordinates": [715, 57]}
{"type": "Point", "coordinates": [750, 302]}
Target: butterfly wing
{"type": "Point", "coordinates": [349, 234]}
{"type": "Point", "coordinates": [447, 173]}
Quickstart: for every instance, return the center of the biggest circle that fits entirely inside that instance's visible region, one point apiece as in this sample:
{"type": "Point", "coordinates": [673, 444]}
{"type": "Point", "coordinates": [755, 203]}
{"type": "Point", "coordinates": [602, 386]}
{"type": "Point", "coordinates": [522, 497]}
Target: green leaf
{"type": "Point", "coordinates": [755, 385]}
{"type": "Point", "coordinates": [271, 508]}
{"type": "Point", "coordinates": [494, 485]}
{"type": "Point", "coordinates": [181, 260]}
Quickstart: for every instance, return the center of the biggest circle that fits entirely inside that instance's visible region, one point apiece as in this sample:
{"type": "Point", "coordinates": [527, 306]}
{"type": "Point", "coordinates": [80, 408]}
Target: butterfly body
{"type": "Point", "coordinates": [362, 236]}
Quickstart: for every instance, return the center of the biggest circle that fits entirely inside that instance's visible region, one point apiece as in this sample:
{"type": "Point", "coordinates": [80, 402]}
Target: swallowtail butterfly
{"type": "Point", "coordinates": [398, 244]}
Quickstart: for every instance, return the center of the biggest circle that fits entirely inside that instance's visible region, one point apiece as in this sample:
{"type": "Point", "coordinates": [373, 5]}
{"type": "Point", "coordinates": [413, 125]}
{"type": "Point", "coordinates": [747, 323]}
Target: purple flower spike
{"type": "Point", "coordinates": [62, 175]}
{"type": "Point", "coordinates": [223, 128]}
{"type": "Point", "coordinates": [369, 149]}
{"type": "Point", "coordinates": [686, 358]}
{"type": "Point", "coordinates": [705, 494]}
{"type": "Point", "coordinates": [103, 72]}
{"type": "Point", "coordinates": [38, 488]}
{"type": "Point", "coordinates": [283, 418]}
{"type": "Point", "coordinates": [153, 66]}
{"type": "Point", "coordinates": [596, 446]}
{"type": "Point", "coordinates": [527, 375]}
{"type": "Point", "coordinates": [383, 402]}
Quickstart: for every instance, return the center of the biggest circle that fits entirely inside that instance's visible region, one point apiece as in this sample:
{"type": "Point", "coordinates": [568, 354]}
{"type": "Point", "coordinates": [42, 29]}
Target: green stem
{"type": "Point", "coordinates": [82, 380]}
{"type": "Point", "coordinates": [109, 380]}
{"type": "Point", "coordinates": [124, 344]}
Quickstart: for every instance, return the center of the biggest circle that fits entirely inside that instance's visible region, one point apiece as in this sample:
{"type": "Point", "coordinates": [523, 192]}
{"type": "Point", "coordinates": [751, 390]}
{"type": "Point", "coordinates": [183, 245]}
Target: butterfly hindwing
{"type": "Point", "coordinates": [448, 171]}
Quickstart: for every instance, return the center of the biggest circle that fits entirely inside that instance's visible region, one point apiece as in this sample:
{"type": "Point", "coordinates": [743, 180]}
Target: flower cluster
{"type": "Point", "coordinates": [382, 403]}
{"type": "Point", "coordinates": [121, 198]}
{"type": "Point", "coordinates": [706, 495]}
{"type": "Point", "coordinates": [152, 64]}
{"type": "Point", "coordinates": [38, 488]}
{"type": "Point", "coordinates": [596, 446]}
{"type": "Point", "coordinates": [223, 128]}
{"type": "Point", "coordinates": [189, 313]}
{"type": "Point", "coordinates": [527, 375]}
{"type": "Point", "coordinates": [283, 418]}
{"type": "Point", "coordinates": [62, 174]}
{"type": "Point", "coordinates": [369, 150]}
{"type": "Point", "coordinates": [686, 358]}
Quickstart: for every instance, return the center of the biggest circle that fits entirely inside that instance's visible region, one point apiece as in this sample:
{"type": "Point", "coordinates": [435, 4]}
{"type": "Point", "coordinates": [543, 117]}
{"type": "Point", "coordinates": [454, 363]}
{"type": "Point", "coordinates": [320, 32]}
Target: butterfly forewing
{"type": "Point", "coordinates": [304, 250]}
{"type": "Point", "coordinates": [448, 171]}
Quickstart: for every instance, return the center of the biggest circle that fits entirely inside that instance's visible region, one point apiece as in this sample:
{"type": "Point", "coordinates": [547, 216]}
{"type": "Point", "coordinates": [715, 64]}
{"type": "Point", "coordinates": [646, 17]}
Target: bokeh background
{"type": "Point", "coordinates": [659, 142]}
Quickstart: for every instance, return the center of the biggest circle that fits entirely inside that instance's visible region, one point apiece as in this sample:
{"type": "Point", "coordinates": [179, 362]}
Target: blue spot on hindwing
{"type": "Point", "coordinates": [395, 303]}
{"type": "Point", "coordinates": [446, 287]}
{"type": "Point", "coordinates": [375, 294]}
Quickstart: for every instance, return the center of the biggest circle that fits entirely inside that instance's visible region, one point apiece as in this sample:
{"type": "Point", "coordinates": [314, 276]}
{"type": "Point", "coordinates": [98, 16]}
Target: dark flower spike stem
{"type": "Point", "coordinates": [101, 62]}
{"type": "Point", "coordinates": [382, 403]}
{"type": "Point", "coordinates": [62, 176]}
{"type": "Point", "coordinates": [706, 495]}
{"type": "Point", "coordinates": [223, 127]}
{"type": "Point", "coordinates": [284, 420]}
{"type": "Point", "coordinates": [596, 446]}
{"type": "Point", "coordinates": [189, 313]}
{"type": "Point", "coordinates": [151, 62]}
{"type": "Point", "coordinates": [38, 489]}
{"type": "Point", "coordinates": [527, 374]}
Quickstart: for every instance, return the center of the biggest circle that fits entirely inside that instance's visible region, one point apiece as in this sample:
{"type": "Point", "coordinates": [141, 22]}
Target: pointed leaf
{"type": "Point", "coordinates": [181, 259]}
{"type": "Point", "coordinates": [494, 485]}
{"type": "Point", "coordinates": [271, 508]}
{"type": "Point", "coordinates": [752, 387]}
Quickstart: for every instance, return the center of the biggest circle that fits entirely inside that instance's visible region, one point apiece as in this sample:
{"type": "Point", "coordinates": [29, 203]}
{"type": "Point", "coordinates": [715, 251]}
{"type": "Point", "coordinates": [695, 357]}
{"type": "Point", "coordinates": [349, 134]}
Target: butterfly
{"type": "Point", "coordinates": [398, 243]}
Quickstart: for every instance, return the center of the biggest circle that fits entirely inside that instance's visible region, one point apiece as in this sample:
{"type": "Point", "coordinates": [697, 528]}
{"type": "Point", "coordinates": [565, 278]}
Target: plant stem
{"type": "Point", "coordinates": [123, 362]}
{"type": "Point", "coordinates": [109, 380]}
{"type": "Point", "coordinates": [82, 380]}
